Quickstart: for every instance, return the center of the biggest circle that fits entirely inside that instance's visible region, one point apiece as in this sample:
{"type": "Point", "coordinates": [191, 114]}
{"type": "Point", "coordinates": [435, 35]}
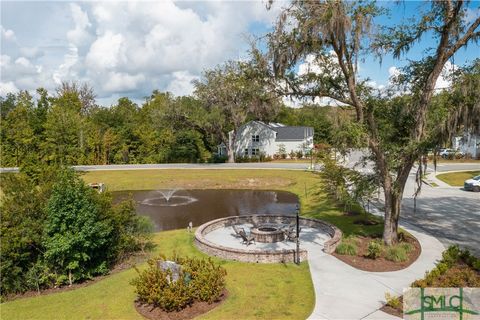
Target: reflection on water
{"type": "Point", "coordinates": [200, 206]}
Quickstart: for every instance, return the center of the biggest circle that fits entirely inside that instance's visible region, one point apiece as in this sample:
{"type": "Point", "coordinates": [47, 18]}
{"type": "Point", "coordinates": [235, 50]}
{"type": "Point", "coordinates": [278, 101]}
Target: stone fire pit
{"type": "Point", "coordinates": [217, 238]}
{"type": "Point", "coordinates": [267, 234]}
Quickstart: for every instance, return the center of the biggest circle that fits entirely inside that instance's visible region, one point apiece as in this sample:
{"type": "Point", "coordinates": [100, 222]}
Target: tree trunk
{"type": "Point", "coordinates": [392, 215]}
{"type": "Point", "coordinates": [70, 277]}
{"type": "Point", "coordinates": [393, 202]}
{"type": "Point", "coordinates": [231, 147]}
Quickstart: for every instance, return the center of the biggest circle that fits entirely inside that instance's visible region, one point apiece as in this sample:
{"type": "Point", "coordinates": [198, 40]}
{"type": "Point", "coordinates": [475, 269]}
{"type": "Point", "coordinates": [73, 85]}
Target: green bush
{"type": "Point", "coordinates": [78, 234]}
{"type": "Point", "coordinates": [406, 246]}
{"type": "Point", "coordinates": [348, 246]}
{"type": "Point", "coordinates": [133, 232]}
{"type": "Point", "coordinates": [374, 249]}
{"type": "Point", "coordinates": [56, 230]}
{"type": "Point", "coordinates": [396, 253]}
{"type": "Point", "coordinates": [392, 301]}
{"type": "Point", "coordinates": [199, 280]}
{"type": "Point", "coordinates": [458, 268]}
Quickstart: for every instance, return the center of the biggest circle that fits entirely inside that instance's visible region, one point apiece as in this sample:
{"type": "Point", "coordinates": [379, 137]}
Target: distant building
{"type": "Point", "coordinates": [257, 137]}
{"type": "Point", "coordinates": [469, 144]}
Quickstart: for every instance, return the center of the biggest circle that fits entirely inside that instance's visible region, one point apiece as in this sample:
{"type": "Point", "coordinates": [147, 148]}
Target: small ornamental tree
{"type": "Point", "coordinates": [77, 234]}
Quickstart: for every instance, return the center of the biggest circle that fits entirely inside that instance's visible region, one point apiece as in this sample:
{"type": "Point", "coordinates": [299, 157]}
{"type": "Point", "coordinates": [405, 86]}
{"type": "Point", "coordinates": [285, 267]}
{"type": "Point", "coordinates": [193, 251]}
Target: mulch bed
{"type": "Point", "coordinates": [393, 311]}
{"type": "Point", "coordinates": [190, 312]}
{"type": "Point", "coordinates": [380, 264]}
{"type": "Point", "coordinates": [125, 264]}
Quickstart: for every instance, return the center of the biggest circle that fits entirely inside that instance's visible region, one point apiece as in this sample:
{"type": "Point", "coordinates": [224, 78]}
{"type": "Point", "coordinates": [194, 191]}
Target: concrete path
{"type": "Point", "coordinates": [343, 292]}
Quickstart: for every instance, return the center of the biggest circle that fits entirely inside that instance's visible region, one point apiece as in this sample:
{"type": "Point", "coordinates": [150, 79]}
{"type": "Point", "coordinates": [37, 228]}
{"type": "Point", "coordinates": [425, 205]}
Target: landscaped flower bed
{"type": "Point", "coordinates": [196, 284]}
{"type": "Point", "coordinates": [457, 269]}
{"type": "Point", "coordinates": [370, 254]}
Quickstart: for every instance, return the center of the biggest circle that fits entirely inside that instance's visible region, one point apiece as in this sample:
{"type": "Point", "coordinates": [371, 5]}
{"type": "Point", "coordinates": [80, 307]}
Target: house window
{"type": "Point", "coordinates": [246, 152]}
{"type": "Point", "coordinates": [256, 138]}
{"type": "Point", "coordinates": [255, 152]}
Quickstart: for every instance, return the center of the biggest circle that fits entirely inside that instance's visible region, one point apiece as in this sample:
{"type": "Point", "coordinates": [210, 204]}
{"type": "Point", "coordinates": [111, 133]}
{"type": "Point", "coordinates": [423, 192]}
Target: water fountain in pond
{"type": "Point", "coordinates": [168, 198]}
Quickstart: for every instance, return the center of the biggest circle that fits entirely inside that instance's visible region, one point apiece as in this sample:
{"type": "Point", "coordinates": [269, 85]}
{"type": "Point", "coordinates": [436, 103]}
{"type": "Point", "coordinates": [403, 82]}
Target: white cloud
{"type": "Point", "coordinates": [79, 34]}
{"type": "Point", "coordinates": [65, 72]}
{"type": "Point", "coordinates": [444, 80]}
{"type": "Point", "coordinates": [7, 87]}
{"type": "Point", "coordinates": [24, 62]}
{"type": "Point", "coordinates": [31, 52]}
{"type": "Point", "coordinates": [118, 46]}
{"type": "Point", "coordinates": [7, 34]}
{"type": "Point", "coordinates": [393, 71]}
{"type": "Point", "coordinates": [4, 60]}
{"type": "Point", "coordinates": [107, 52]}
{"type": "Point", "coordinates": [118, 81]}
{"type": "Point", "coordinates": [181, 83]}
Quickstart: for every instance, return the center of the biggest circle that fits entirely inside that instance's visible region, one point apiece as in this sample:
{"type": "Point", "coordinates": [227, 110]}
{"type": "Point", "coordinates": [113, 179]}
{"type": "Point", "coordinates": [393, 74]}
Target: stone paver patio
{"type": "Point", "coordinates": [341, 291]}
{"type": "Point", "coordinates": [309, 238]}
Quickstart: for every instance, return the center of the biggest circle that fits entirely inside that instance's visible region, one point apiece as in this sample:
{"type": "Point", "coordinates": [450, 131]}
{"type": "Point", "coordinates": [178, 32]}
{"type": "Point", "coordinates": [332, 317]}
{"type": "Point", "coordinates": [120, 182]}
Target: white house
{"type": "Point", "coordinates": [256, 137]}
{"type": "Point", "coordinates": [469, 144]}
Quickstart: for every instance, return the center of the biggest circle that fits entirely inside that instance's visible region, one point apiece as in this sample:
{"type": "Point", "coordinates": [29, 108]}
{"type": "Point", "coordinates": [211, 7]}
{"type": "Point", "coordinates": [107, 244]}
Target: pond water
{"type": "Point", "coordinates": [174, 209]}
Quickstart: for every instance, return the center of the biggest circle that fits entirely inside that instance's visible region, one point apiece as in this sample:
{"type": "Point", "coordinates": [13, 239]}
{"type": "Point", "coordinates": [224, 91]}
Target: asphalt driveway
{"type": "Point", "coordinates": [449, 213]}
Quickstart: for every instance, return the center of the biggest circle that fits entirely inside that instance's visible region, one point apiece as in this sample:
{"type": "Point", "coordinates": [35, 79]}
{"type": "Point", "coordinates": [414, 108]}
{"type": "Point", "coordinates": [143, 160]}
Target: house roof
{"type": "Point", "coordinates": [289, 132]}
{"type": "Point", "coordinates": [293, 133]}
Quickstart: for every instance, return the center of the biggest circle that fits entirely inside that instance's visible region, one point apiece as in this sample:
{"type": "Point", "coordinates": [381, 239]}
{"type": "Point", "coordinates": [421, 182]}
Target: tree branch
{"type": "Point", "coordinates": [467, 36]}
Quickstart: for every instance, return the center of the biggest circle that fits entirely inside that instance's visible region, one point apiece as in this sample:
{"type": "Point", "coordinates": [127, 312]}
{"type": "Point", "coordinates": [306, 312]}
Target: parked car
{"type": "Point", "coordinates": [450, 153]}
{"type": "Point", "coordinates": [472, 184]}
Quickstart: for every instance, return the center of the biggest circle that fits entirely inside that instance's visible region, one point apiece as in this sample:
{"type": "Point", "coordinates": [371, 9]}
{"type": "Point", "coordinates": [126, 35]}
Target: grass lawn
{"type": "Point", "coordinates": [273, 291]}
{"type": "Point", "coordinates": [456, 179]}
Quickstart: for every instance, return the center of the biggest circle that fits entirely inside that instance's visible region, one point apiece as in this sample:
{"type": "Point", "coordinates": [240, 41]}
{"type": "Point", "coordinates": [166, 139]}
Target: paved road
{"type": "Point", "coordinates": [259, 165]}
{"type": "Point", "coordinates": [449, 213]}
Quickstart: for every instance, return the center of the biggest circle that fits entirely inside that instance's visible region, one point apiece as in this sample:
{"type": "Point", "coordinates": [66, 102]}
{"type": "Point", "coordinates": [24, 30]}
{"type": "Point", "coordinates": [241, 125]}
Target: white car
{"type": "Point", "coordinates": [472, 184]}
{"type": "Point", "coordinates": [445, 153]}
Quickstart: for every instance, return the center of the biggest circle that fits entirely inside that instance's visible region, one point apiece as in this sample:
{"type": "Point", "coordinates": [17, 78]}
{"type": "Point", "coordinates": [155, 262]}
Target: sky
{"type": "Point", "coordinates": [132, 48]}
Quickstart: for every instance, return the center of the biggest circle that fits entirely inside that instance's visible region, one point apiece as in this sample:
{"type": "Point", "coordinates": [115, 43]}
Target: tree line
{"type": "Point", "coordinates": [69, 128]}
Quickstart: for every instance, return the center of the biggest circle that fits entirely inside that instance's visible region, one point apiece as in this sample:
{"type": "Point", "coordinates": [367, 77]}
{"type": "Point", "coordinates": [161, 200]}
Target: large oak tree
{"type": "Point", "coordinates": [337, 35]}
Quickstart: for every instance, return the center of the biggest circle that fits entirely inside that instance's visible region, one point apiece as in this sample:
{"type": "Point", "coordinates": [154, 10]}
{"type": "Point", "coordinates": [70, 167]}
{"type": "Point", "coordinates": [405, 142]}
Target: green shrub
{"type": "Point", "coordinates": [458, 268]}
{"type": "Point", "coordinates": [77, 235]}
{"type": "Point", "coordinates": [348, 246]}
{"type": "Point", "coordinates": [374, 249]}
{"type": "Point", "coordinates": [199, 280]}
{"type": "Point", "coordinates": [392, 301]}
{"type": "Point", "coordinates": [406, 246]}
{"type": "Point", "coordinates": [396, 253]}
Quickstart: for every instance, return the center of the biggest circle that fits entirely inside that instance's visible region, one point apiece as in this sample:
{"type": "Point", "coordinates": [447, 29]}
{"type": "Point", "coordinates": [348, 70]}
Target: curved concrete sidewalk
{"type": "Point", "coordinates": [343, 292]}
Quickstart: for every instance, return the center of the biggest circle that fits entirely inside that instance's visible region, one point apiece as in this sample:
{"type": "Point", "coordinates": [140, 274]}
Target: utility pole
{"type": "Point", "coordinates": [297, 210]}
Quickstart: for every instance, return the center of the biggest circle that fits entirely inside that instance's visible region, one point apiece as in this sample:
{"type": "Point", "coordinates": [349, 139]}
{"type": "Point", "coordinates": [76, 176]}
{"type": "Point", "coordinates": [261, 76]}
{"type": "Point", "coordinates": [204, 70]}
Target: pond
{"type": "Point", "coordinates": [174, 209]}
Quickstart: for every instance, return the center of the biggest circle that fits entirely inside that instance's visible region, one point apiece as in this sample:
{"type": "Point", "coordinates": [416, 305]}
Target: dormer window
{"type": "Point", "coordinates": [256, 138]}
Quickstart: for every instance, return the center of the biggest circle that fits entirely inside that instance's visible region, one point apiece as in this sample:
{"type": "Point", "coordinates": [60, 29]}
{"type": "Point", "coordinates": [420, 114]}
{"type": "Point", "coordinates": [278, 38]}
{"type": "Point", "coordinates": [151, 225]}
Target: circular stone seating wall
{"type": "Point", "coordinates": [264, 256]}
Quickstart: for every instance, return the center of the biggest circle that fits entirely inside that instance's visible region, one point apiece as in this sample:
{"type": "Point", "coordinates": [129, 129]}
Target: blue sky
{"type": "Point", "coordinates": [132, 48]}
{"type": "Point", "coordinates": [401, 13]}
